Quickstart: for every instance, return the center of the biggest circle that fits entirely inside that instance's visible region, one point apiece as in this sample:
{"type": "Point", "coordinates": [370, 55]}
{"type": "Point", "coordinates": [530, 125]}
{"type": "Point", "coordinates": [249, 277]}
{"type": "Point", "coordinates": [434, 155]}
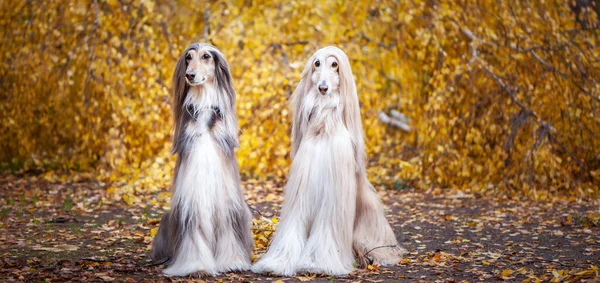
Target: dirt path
{"type": "Point", "coordinates": [65, 231]}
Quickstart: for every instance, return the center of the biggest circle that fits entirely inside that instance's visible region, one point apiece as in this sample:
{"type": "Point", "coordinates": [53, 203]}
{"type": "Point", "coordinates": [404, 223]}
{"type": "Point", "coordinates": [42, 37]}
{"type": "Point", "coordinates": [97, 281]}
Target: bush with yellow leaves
{"type": "Point", "coordinates": [501, 96]}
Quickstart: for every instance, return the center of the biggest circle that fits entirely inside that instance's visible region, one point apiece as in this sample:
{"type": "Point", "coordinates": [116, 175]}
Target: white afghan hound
{"type": "Point", "coordinates": [331, 212]}
{"type": "Point", "coordinates": [208, 229]}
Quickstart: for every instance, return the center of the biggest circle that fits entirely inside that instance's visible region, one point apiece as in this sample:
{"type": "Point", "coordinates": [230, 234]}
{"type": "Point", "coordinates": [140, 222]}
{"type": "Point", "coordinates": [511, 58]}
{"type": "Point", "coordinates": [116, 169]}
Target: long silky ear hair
{"type": "Point", "coordinates": [223, 81]}
{"type": "Point", "coordinates": [228, 135]}
{"type": "Point", "coordinates": [299, 121]}
{"type": "Point", "coordinates": [351, 106]}
{"type": "Point", "coordinates": [180, 90]}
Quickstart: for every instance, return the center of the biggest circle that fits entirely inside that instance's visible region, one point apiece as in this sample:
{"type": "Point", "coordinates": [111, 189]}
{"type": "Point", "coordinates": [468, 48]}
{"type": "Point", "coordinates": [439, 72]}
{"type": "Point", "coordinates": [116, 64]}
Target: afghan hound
{"type": "Point", "coordinates": [208, 229]}
{"type": "Point", "coordinates": [331, 212]}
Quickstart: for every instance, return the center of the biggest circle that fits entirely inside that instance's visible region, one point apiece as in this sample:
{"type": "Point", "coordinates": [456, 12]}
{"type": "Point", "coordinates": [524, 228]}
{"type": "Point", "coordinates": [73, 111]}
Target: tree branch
{"type": "Point", "coordinates": [545, 128]}
{"type": "Point", "coordinates": [531, 51]}
{"type": "Point", "coordinates": [386, 46]}
{"type": "Point", "coordinates": [92, 52]}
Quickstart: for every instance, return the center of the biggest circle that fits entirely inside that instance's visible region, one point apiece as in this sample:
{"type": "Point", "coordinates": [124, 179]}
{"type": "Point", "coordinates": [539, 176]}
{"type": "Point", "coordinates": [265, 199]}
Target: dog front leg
{"type": "Point", "coordinates": [234, 241]}
{"type": "Point", "coordinates": [329, 246]}
{"type": "Point", "coordinates": [290, 237]}
{"type": "Point", "coordinates": [194, 255]}
{"type": "Point", "coordinates": [284, 251]}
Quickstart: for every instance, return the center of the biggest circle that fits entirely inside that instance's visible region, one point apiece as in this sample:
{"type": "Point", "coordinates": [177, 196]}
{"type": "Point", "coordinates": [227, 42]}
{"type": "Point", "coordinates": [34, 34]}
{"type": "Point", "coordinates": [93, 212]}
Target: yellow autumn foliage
{"type": "Point", "coordinates": [500, 96]}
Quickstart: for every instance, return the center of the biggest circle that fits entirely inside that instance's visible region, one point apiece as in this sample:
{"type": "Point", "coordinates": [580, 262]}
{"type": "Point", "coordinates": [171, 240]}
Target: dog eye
{"type": "Point", "coordinates": [188, 57]}
{"type": "Point", "coordinates": [206, 56]}
{"type": "Point", "coordinates": [317, 63]}
{"type": "Point", "coordinates": [334, 64]}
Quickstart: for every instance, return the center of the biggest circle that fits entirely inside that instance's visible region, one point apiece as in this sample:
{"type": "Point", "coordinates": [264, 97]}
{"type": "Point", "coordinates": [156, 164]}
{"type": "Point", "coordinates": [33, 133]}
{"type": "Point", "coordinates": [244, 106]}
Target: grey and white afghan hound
{"type": "Point", "coordinates": [208, 229]}
{"type": "Point", "coordinates": [331, 212]}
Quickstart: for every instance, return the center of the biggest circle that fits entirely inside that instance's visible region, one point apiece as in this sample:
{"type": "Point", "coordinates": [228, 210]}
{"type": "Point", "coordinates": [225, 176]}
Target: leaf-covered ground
{"type": "Point", "coordinates": [78, 232]}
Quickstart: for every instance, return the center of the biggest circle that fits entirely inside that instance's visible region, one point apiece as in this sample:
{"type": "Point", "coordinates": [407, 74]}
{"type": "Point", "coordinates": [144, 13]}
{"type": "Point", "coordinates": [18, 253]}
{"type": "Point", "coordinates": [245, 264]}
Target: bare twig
{"type": "Point", "coordinates": [564, 148]}
{"type": "Point", "coordinates": [95, 259]}
{"type": "Point", "coordinates": [531, 51]}
{"type": "Point", "coordinates": [165, 31]}
{"type": "Point", "coordinates": [92, 51]}
{"type": "Point", "coordinates": [386, 46]}
{"type": "Point", "coordinates": [579, 30]}
{"type": "Point", "coordinates": [375, 248]}
{"type": "Point", "coordinates": [517, 123]}
{"type": "Point", "coordinates": [394, 81]}
{"type": "Point", "coordinates": [262, 230]}
{"type": "Point", "coordinates": [506, 89]}
{"type": "Point", "coordinates": [296, 43]}
{"type": "Point", "coordinates": [157, 263]}
{"type": "Point", "coordinates": [256, 210]}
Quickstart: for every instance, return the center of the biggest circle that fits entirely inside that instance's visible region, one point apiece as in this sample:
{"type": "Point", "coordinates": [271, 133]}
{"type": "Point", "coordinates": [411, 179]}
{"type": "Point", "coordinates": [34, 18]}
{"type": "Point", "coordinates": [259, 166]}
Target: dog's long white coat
{"type": "Point", "coordinates": [204, 192]}
{"type": "Point", "coordinates": [315, 234]}
{"type": "Point", "coordinates": [196, 193]}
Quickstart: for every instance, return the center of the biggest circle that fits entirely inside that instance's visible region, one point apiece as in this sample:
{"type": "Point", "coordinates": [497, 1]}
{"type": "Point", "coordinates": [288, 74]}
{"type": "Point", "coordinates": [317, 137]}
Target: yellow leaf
{"type": "Point", "coordinates": [306, 278]}
{"type": "Point", "coordinates": [153, 232]}
{"type": "Point", "coordinates": [271, 197]}
{"type": "Point", "coordinates": [506, 273]}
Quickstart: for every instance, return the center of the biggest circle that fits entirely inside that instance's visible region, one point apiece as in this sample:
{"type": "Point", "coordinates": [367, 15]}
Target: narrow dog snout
{"type": "Point", "coordinates": [323, 88]}
{"type": "Point", "coordinates": [190, 76]}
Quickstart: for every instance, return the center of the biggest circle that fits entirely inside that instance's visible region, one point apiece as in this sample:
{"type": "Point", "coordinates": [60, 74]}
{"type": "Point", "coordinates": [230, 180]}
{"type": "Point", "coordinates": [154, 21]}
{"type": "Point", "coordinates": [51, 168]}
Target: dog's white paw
{"type": "Point", "coordinates": [189, 267]}
{"type": "Point", "coordinates": [274, 266]}
{"type": "Point", "coordinates": [239, 264]}
{"type": "Point", "coordinates": [321, 267]}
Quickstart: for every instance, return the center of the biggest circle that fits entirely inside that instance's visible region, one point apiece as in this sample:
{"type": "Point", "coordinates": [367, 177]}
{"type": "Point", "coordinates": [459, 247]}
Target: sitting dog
{"type": "Point", "coordinates": [208, 228]}
{"type": "Point", "coordinates": [331, 212]}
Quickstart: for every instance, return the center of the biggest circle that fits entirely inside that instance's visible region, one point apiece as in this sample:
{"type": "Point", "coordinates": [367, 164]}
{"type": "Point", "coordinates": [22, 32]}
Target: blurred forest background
{"type": "Point", "coordinates": [499, 96]}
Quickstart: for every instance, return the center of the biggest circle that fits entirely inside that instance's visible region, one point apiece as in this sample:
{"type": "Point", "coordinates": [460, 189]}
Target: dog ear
{"type": "Point", "coordinates": [299, 121]}
{"type": "Point", "coordinates": [351, 106]}
{"type": "Point", "coordinates": [223, 80]}
{"type": "Point", "coordinates": [228, 131]}
{"type": "Point", "coordinates": [180, 90]}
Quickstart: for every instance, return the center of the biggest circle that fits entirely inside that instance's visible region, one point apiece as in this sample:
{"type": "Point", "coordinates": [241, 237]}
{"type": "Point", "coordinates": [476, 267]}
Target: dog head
{"type": "Point", "coordinates": [200, 66]}
{"type": "Point", "coordinates": [325, 73]}
{"type": "Point", "coordinates": [328, 74]}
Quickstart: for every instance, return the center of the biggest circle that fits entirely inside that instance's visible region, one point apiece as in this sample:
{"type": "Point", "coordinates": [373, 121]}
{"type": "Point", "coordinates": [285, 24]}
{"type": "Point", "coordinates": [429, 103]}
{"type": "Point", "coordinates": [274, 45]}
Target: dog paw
{"type": "Point", "coordinates": [234, 265]}
{"type": "Point", "coordinates": [273, 267]}
{"type": "Point", "coordinates": [325, 262]}
{"type": "Point", "coordinates": [189, 268]}
{"type": "Point", "coordinates": [387, 256]}
{"type": "Point", "coordinates": [322, 268]}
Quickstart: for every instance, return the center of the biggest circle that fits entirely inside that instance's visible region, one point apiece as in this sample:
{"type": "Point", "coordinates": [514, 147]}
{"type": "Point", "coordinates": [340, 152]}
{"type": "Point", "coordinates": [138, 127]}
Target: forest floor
{"type": "Point", "coordinates": [76, 232]}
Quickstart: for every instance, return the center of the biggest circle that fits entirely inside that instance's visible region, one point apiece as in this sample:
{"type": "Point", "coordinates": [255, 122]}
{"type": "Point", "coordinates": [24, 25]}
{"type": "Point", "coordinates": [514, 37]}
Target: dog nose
{"type": "Point", "coordinates": [323, 88]}
{"type": "Point", "coordinates": [190, 76]}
